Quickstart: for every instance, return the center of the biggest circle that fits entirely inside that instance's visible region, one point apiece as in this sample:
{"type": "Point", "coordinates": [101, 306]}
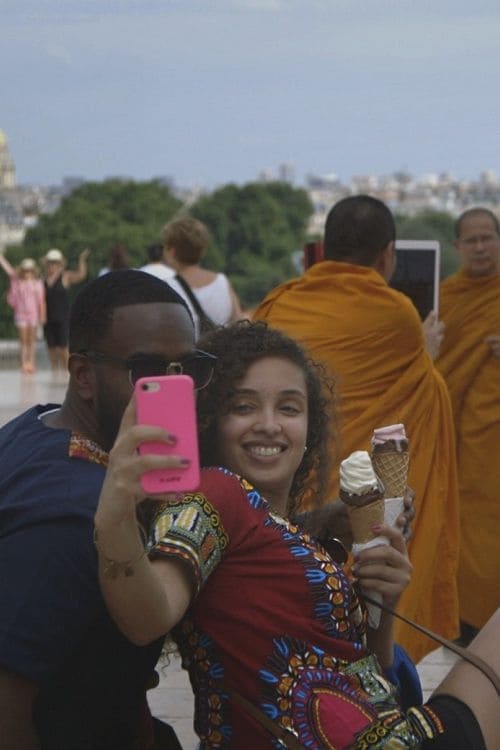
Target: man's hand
{"type": "Point", "coordinates": [433, 330]}
{"type": "Point", "coordinates": [493, 342]}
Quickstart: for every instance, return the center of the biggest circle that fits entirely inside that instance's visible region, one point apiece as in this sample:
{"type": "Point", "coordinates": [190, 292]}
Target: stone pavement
{"type": "Point", "coordinates": [172, 699]}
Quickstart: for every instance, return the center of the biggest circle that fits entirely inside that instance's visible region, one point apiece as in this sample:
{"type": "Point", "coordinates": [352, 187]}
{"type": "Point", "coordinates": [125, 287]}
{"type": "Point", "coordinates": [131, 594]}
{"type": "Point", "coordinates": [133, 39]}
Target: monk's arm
{"type": "Point", "coordinates": [434, 331]}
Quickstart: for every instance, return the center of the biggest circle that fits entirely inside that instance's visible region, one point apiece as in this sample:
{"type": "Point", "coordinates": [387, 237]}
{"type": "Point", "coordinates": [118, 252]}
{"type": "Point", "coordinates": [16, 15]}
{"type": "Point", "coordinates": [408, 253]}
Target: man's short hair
{"type": "Point", "coordinates": [188, 236]}
{"type": "Point", "coordinates": [471, 212]}
{"type": "Point", "coordinates": [357, 229]}
{"type": "Point", "coordinates": [92, 311]}
{"type": "Point", "coordinates": [155, 252]}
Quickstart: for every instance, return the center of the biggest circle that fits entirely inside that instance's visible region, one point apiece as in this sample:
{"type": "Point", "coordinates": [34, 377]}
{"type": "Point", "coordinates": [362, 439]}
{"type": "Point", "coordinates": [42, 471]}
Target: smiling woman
{"type": "Point", "coordinates": [268, 414]}
{"type": "Point", "coordinates": [262, 435]}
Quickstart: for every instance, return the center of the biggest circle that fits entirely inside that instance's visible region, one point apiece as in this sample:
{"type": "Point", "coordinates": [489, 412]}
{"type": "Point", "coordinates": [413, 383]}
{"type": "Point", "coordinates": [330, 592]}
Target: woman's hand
{"type": "Point", "coordinates": [385, 569]}
{"type": "Point", "coordinates": [122, 490]}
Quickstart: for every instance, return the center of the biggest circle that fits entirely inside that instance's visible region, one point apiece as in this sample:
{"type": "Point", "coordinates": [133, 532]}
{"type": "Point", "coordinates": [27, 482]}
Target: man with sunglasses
{"type": "Point", "coordinates": [68, 679]}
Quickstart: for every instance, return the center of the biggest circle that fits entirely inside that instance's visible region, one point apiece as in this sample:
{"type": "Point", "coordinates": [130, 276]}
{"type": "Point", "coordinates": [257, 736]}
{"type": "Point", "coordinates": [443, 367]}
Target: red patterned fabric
{"type": "Point", "coordinates": [276, 619]}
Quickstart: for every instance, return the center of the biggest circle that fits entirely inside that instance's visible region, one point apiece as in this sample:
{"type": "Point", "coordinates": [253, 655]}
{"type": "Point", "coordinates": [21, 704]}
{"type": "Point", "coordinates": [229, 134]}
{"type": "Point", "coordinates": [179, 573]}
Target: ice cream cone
{"type": "Point", "coordinates": [391, 466]}
{"type": "Point", "coordinates": [363, 494]}
{"type": "Point", "coordinates": [364, 511]}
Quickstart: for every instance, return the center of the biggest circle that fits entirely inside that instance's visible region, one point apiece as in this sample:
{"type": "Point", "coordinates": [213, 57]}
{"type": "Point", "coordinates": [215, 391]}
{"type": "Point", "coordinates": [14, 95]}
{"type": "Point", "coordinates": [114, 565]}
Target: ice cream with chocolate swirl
{"type": "Point", "coordinates": [362, 492]}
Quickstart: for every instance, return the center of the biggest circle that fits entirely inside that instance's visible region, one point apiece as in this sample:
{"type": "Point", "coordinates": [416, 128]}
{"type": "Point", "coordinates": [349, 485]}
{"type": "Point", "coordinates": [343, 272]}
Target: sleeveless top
{"type": "Point", "coordinates": [215, 299]}
{"type": "Point", "coordinates": [57, 301]}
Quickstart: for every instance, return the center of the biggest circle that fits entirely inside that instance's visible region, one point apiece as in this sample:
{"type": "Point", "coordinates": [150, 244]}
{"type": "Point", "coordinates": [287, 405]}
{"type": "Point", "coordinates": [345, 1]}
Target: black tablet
{"type": "Point", "coordinates": [417, 273]}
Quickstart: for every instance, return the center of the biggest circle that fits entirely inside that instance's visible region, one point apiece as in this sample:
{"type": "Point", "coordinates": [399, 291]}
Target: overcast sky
{"type": "Point", "coordinates": [213, 91]}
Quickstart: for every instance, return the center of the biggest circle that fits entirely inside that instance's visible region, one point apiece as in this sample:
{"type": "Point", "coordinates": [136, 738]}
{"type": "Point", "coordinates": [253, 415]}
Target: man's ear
{"type": "Point", "coordinates": [385, 263]}
{"type": "Point", "coordinates": [82, 376]}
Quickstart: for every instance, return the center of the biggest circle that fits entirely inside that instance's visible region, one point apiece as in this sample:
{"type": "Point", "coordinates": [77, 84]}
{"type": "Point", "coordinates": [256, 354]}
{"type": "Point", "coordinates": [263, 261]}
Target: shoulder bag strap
{"type": "Point", "coordinates": [464, 653]}
{"type": "Point", "coordinates": [285, 736]}
{"type": "Point", "coordinates": [288, 739]}
{"type": "Point", "coordinates": [206, 323]}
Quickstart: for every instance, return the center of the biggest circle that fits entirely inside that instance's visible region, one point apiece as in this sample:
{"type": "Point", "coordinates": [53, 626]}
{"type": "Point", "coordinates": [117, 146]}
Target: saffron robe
{"type": "Point", "coordinates": [470, 309]}
{"type": "Point", "coordinates": [370, 337]}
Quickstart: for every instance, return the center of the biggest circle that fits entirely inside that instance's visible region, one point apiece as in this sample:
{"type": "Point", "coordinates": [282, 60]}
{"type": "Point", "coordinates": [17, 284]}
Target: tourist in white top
{"type": "Point", "coordinates": [185, 241]}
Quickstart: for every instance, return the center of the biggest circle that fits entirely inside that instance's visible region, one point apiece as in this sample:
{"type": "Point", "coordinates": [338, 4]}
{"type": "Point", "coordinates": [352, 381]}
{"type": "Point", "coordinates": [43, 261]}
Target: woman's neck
{"type": "Point", "coordinates": [185, 268]}
{"type": "Point", "coordinates": [279, 502]}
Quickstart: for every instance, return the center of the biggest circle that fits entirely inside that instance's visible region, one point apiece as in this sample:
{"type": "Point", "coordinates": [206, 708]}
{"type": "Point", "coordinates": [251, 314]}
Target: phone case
{"type": "Point", "coordinates": [168, 401]}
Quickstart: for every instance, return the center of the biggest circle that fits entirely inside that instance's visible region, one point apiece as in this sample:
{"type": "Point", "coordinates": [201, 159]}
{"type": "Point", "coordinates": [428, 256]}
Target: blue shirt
{"type": "Point", "coordinates": [54, 628]}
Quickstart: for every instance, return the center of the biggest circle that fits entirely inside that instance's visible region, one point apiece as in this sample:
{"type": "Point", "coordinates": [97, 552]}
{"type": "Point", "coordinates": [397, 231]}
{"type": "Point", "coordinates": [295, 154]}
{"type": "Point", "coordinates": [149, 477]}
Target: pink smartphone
{"type": "Point", "coordinates": [168, 401]}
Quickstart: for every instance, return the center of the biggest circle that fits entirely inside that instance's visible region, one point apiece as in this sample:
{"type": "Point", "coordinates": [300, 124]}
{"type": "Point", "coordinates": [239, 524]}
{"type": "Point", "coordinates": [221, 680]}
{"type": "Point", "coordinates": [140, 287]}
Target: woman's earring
{"type": "Point", "coordinates": [305, 448]}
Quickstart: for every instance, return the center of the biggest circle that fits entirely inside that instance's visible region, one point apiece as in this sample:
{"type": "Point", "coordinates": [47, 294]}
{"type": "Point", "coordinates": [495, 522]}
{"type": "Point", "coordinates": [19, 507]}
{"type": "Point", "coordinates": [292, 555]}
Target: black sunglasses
{"type": "Point", "coordinates": [199, 365]}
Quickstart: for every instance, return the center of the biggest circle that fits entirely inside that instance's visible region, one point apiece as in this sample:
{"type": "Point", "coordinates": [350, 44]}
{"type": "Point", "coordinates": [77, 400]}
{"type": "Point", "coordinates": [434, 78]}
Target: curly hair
{"type": "Point", "coordinates": [237, 347]}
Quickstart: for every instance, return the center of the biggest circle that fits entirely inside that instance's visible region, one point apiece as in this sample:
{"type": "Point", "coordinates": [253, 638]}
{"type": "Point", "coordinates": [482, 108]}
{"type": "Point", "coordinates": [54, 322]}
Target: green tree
{"type": "Point", "coordinates": [101, 214]}
{"type": "Point", "coordinates": [255, 229]}
{"type": "Point", "coordinates": [96, 215]}
{"type": "Point", "coordinates": [431, 225]}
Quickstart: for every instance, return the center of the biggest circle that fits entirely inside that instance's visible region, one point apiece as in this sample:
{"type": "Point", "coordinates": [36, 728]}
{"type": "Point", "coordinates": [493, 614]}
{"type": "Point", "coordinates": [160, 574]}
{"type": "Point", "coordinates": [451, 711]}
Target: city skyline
{"type": "Point", "coordinates": [210, 93]}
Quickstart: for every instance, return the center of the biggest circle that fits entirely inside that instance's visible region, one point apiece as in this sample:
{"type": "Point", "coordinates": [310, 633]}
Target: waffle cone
{"type": "Point", "coordinates": [362, 519]}
{"type": "Point", "coordinates": [391, 467]}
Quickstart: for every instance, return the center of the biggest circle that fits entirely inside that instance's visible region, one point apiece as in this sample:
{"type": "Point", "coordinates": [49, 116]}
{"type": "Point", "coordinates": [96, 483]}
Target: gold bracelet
{"type": "Point", "coordinates": [113, 568]}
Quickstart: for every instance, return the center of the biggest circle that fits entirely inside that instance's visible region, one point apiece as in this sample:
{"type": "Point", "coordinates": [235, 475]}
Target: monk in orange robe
{"type": "Point", "coordinates": [470, 363]}
{"type": "Point", "coordinates": [370, 337]}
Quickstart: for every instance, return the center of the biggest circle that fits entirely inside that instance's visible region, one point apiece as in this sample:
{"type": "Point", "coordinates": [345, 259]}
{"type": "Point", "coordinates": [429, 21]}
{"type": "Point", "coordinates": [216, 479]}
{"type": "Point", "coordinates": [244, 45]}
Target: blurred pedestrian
{"type": "Point", "coordinates": [156, 263]}
{"type": "Point", "coordinates": [58, 279]}
{"type": "Point", "coordinates": [186, 241]}
{"type": "Point", "coordinates": [26, 296]}
{"type": "Point", "coordinates": [118, 259]}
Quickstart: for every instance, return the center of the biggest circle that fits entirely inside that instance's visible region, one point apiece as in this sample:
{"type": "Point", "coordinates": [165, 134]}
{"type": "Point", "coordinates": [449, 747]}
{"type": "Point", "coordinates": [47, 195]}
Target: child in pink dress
{"type": "Point", "coordinates": [26, 296]}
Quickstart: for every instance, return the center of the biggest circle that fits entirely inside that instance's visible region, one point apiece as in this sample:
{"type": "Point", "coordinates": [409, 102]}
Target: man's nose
{"type": "Point", "coordinates": [479, 244]}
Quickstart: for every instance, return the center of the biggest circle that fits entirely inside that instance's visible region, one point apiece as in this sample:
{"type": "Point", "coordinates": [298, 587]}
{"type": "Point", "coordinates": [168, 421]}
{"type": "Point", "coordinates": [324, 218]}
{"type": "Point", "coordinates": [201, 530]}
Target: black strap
{"type": "Point", "coordinates": [290, 741]}
{"type": "Point", "coordinates": [206, 323]}
{"type": "Point", "coordinates": [464, 653]}
{"type": "Point", "coordinates": [285, 736]}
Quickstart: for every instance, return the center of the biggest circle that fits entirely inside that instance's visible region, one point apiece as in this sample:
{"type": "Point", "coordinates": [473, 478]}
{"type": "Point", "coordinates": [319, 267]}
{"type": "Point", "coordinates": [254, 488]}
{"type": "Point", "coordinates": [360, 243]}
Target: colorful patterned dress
{"type": "Point", "coordinates": [274, 617]}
